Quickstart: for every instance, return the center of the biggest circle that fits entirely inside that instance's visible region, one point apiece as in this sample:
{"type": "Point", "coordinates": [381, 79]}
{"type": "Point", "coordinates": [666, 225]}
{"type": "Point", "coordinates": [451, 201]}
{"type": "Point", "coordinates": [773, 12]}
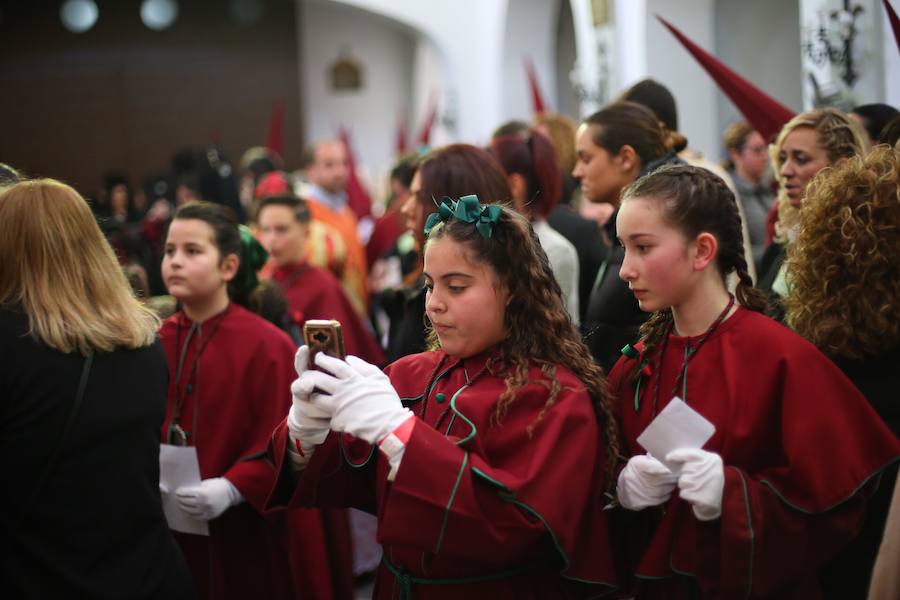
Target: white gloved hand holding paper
{"type": "Point", "coordinates": [644, 482]}
{"type": "Point", "coordinates": [701, 480]}
{"type": "Point", "coordinates": [209, 499]}
{"type": "Point", "coordinates": [308, 424]}
{"type": "Point", "coordinates": [358, 395]}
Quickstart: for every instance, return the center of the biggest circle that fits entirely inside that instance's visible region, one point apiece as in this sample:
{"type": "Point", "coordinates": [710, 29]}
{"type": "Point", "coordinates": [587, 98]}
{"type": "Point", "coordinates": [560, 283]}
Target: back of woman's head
{"type": "Point", "coordinates": [459, 170]}
{"type": "Point", "coordinates": [538, 327]}
{"type": "Point", "coordinates": [694, 200]}
{"type": "Point", "coordinates": [844, 268]}
{"type": "Point", "coordinates": [560, 130]}
{"type": "Point", "coordinates": [56, 265]}
{"type": "Point", "coordinates": [629, 123]}
{"type": "Point", "coordinates": [657, 98]}
{"type": "Point", "coordinates": [229, 238]}
{"type": "Point", "coordinates": [533, 158]}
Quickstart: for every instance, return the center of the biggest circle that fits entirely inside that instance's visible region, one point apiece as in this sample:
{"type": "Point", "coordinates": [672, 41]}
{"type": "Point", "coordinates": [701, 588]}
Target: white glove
{"type": "Point", "coordinates": [644, 482]}
{"type": "Point", "coordinates": [701, 481]}
{"type": "Point", "coordinates": [308, 424]}
{"type": "Point", "coordinates": [209, 499]}
{"type": "Point", "coordinates": [358, 395]}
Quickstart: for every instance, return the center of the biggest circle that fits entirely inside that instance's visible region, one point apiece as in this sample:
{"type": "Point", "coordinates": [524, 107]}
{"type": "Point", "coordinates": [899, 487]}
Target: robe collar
{"type": "Point", "coordinates": [284, 272]}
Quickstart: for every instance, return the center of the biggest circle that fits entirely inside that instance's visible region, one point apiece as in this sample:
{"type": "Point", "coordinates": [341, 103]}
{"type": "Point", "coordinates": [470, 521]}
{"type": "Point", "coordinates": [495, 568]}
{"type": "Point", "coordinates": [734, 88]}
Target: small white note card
{"type": "Point", "coordinates": [676, 426]}
{"type": "Point", "coordinates": [178, 466]}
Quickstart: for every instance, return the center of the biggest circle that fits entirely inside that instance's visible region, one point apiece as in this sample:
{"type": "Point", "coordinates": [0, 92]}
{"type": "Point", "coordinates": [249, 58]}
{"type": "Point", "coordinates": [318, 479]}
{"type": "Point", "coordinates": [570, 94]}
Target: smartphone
{"type": "Point", "coordinates": [323, 336]}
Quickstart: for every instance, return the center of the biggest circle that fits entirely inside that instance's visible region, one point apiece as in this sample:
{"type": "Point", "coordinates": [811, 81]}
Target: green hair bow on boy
{"type": "Point", "coordinates": [468, 210]}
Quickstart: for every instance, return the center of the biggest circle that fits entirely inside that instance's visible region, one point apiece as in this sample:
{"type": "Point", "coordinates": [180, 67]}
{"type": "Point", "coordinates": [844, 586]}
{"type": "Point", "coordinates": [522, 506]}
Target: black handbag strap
{"type": "Point", "coordinates": [54, 455]}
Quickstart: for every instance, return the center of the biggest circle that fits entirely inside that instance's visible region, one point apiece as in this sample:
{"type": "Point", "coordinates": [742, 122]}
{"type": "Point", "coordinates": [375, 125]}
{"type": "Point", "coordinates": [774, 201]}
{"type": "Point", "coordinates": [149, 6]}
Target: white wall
{"type": "Point", "coordinates": [429, 81]}
{"type": "Point", "coordinates": [875, 61]}
{"type": "Point", "coordinates": [670, 64]}
{"type": "Point", "coordinates": [770, 61]}
{"type": "Point", "coordinates": [530, 32]}
{"type": "Point", "coordinates": [891, 53]}
{"type": "Point", "coordinates": [566, 57]}
{"type": "Point", "coordinates": [384, 50]}
{"type": "Point", "coordinates": [469, 34]}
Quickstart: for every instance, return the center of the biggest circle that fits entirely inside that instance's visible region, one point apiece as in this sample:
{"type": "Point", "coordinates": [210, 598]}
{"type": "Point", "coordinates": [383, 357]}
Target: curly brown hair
{"type": "Point", "coordinates": [695, 200]}
{"type": "Point", "coordinates": [539, 330]}
{"type": "Point", "coordinates": [840, 137]}
{"type": "Point", "coordinates": [844, 269]}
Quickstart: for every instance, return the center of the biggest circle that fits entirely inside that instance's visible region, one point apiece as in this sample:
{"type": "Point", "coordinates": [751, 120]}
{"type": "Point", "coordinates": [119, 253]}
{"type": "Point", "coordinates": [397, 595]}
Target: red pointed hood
{"type": "Point", "coordinates": [763, 112]}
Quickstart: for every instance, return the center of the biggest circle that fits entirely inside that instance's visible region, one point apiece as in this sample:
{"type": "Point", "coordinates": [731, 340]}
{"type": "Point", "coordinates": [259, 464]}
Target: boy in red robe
{"type": "Point", "coordinates": [312, 292]}
{"type": "Point", "coordinates": [229, 370]}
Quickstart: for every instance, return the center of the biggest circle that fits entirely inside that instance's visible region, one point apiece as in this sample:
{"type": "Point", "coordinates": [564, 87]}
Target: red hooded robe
{"type": "Point", "coordinates": [801, 448]}
{"type": "Point", "coordinates": [234, 386]}
{"type": "Point", "coordinates": [477, 509]}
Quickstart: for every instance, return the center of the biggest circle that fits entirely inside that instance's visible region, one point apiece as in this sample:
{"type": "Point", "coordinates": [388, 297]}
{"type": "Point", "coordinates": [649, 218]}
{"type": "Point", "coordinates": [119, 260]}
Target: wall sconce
{"type": "Point", "coordinates": [820, 48]}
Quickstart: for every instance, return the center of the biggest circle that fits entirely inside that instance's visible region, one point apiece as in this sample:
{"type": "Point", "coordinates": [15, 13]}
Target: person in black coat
{"type": "Point", "coordinates": [844, 270]}
{"type": "Point", "coordinates": [83, 382]}
{"type": "Point", "coordinates": [614, 147]}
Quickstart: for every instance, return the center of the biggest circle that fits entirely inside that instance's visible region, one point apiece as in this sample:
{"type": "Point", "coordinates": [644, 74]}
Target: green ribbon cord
{"type": "Point", "coordinates": [468, 210]}
{"type": "Point", "coordinates": [253, 257]}
{"type": "Point", "coordinates": [407, 582]}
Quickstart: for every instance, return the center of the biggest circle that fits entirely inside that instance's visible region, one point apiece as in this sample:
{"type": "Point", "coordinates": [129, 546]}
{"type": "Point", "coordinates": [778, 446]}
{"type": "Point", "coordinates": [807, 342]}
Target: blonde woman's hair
{"type": "Point", "coordinates": [840, 137]}
{"type": "Point", "coordinates": [562, 131]}
{"type": "Point", "coordinates": [58, 268]}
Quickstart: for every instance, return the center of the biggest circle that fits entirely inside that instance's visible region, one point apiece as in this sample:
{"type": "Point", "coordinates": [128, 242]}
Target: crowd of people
{"type": "Point", "coordinates": [515, 316]}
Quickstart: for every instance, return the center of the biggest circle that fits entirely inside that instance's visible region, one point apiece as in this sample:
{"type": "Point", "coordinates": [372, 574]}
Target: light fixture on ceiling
{"type": "Point", "coordinates": [78, 15]}
{"type": "Point", "coordinates": [159, 14]}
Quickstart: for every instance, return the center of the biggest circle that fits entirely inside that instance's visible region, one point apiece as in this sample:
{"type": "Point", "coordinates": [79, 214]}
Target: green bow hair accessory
{"type": "Point", "coordinates": [253, 257]}
{"type": "Point", "coordinates": [468, 210]}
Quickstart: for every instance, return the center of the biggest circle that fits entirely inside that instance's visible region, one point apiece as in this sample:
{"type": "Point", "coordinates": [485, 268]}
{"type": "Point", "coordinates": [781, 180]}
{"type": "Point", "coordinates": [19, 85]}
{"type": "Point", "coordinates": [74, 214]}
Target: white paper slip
{"type": "Point", "coordinates": [677, 426]}
{"type": "Point", "coordinates": [178, 466]}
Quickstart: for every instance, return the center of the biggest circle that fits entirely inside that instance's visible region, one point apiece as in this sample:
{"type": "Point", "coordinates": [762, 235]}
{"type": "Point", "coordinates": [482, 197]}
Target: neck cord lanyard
{"type": "Point", "coordinates": [433, 380]}
{"type": "Point", "coordinates": [689, 352]}
{"type": "Point", "coordinates": [177, 435]}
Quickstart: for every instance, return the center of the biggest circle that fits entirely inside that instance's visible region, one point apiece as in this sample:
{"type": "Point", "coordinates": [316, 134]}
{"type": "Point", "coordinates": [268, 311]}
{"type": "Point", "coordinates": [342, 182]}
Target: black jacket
{"type": "Point", "coordinates": [96, 529]}
{"type": "Point", "coordinates": [585, 235]}
{"type": "Point", "coordinates": [613, 317]}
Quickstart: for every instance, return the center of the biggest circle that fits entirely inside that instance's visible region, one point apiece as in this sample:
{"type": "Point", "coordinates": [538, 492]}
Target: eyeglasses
{"type": "Point", "coordinates": [756, 149]}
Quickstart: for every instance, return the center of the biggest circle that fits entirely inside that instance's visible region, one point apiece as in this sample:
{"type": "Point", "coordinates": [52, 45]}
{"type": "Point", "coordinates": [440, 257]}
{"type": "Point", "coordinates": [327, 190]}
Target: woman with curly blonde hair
{"type": "Point", "coordinates": [808, 143]}
{"type": "Point", "coordinates": [844, 273]}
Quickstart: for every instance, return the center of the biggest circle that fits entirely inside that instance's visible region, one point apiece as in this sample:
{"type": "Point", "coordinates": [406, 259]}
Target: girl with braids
{"type": "Point", "coordinates": [229, 370]}
{"type": "Point", "coordinates": [782, 484]}
{"type": "Point", "coordinates": [485, 458]}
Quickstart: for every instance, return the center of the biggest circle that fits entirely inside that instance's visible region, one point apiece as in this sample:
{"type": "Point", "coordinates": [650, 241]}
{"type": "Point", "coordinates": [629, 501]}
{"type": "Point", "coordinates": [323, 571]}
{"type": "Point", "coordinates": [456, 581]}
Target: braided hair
{"type": "Point", "coordinates": [695, 200]}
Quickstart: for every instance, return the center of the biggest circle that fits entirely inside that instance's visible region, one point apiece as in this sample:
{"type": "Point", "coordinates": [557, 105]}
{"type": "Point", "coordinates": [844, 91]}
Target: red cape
{"type": "Point", "coordinates": [315, 293]}
{"type": "Point", "coordinates": [473, 499]}
{"type": "Point", "coordinates": [800, 446]}
{"type": "Point", "coordinates": [240, 390]}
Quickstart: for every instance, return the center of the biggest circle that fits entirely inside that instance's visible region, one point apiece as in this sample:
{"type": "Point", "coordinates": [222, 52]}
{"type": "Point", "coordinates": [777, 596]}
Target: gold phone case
{"type": "Point", "coordinates": [323, 336]}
